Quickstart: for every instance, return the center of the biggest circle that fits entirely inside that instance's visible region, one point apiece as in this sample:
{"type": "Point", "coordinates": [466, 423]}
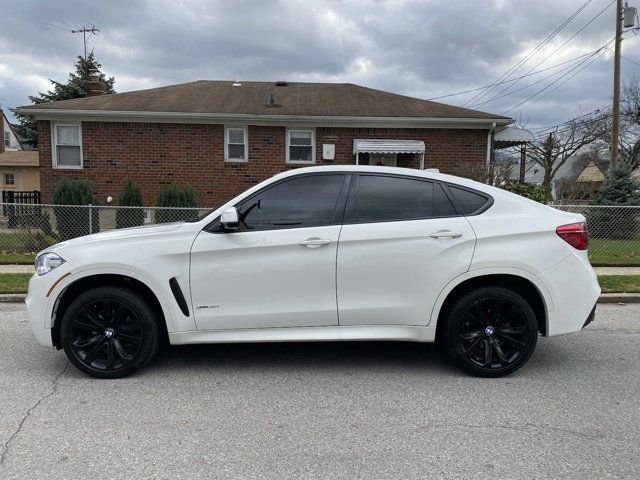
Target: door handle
{"type": "Point", "coordinates": [445, 234]}
{"type": "Point", "coordinates": [314, 242]}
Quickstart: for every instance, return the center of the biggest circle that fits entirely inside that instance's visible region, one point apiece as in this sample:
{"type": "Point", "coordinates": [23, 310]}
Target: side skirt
{"type": "Point", "coordinates": [399, 333]}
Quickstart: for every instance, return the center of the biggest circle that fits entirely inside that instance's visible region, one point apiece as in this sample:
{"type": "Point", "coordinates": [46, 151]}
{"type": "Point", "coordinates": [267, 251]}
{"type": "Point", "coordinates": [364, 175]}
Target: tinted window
{"type": "Point", "coordinates": [300, 202]}
{"type": "Point", "coordinates": [441, 204]}
{"type": "Point", "coordinates": [391, 198]}
{"type": "Point", "coordinates": [470, 202]}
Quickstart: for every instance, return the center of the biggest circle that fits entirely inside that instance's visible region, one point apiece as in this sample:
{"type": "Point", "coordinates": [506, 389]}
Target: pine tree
{"type": "Point", "coordinates": [131, 197]}
{"type": "Point", "coordinates": [619, 189]}
{"type": "Point", "coordinates": [74, 88]}
{"type": "Point", "coordinates": [175, 196]}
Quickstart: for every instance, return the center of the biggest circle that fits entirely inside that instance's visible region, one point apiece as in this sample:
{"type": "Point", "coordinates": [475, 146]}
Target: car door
{"type": "Point", "coordinates": [402, 241]}
{"type": "Point", "coordinates": [279, 270]}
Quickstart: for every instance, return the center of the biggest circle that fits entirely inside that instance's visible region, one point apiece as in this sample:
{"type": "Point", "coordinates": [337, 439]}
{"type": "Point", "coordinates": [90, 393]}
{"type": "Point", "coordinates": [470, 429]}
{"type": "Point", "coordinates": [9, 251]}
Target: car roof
{"type": "Point", "coordinates": [431, 174]}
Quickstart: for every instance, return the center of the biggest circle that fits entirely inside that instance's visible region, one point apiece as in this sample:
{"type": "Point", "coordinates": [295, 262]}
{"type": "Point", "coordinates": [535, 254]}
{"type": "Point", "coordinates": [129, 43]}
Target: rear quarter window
{"type": "Point", "coordinates": [470, 202]}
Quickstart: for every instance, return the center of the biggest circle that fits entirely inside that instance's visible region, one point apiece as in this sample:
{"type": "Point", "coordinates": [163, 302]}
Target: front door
{"type": "Point", "coordinates": [401, 243]}
{"type": "Point", "coordinates": [279, 270]}
{"type": "Point", "coordinates": [384, 159]}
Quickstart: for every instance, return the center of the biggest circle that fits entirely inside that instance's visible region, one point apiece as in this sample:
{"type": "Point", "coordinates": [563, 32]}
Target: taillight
{"type": "Point", "coordinates": [575, 234]}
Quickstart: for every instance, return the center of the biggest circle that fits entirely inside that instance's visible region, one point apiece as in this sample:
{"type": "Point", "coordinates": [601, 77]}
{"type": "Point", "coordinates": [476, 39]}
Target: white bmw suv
{"type": "Point", "coordinates": [325, 254]}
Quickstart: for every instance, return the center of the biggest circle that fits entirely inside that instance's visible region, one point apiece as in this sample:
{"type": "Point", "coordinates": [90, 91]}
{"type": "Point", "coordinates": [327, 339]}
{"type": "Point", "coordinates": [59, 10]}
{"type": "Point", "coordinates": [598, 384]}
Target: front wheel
{"type": "Point", "coordinates": [490, 331]}
{"type": "Point", "coordinates": [109, 332]}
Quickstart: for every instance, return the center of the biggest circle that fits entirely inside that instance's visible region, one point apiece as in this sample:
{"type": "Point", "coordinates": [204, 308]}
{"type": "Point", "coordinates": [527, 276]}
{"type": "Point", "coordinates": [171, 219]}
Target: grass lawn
{"type": "Point", "coordinates": [14, 282]}
{"type": "Point", "coordinates": [605, 251]}
{"type": "Point", "coordinates": [619, 283]}
{"type": "Point", "coordinates": [11, 258]}
{"type": "Point", "coordinates": [17, 283]}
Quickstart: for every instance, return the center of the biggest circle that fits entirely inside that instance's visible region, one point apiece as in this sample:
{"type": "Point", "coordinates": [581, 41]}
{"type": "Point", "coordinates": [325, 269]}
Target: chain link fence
{"type": "Point", "coordinates": [28, 228]}
{"type": "Point", "coordinates": [614, 233]}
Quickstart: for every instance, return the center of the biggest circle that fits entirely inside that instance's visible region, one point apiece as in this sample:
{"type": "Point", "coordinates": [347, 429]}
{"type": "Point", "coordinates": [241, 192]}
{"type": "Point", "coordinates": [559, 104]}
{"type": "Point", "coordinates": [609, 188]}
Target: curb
{"type": "Point", "coordinates": [604, 298]}
{"type": "Point", "coordinates": [12, 297]}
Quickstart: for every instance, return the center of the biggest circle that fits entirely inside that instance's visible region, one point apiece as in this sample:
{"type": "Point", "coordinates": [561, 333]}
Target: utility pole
{"type": "Point", "coordinates": [93, 30]}
{"type": "Point", "coordinates": [615, 121]}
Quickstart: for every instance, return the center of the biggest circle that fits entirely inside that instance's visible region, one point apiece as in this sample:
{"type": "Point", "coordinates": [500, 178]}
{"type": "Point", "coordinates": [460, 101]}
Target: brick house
{"type": "Point", "coordinates": [222, 137]}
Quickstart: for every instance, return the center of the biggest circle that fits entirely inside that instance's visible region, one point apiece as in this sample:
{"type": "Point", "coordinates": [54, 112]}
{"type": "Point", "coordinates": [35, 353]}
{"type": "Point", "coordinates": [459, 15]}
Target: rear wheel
{"type": "Point", "coordinates": [109, 332]}
{"type": "Point", "coordinates": [491, 331]}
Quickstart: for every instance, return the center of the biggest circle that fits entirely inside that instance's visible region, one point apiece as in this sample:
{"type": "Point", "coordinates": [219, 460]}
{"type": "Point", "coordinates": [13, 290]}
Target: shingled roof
{"type": "Point", "coordinates": [253, 98]}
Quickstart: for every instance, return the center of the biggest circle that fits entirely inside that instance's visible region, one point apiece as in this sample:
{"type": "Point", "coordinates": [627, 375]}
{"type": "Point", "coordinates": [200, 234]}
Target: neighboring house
{"type": "Point", "coordinates": [10, 141]}
{"type": "Point", "coordinates": [19, 169]}
{"type": "Point", "coordinates": [222, 137]}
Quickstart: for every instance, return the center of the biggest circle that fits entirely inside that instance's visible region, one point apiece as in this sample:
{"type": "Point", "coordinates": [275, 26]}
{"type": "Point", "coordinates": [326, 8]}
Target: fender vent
{"type": "Point", "coordinates": [177, 293]}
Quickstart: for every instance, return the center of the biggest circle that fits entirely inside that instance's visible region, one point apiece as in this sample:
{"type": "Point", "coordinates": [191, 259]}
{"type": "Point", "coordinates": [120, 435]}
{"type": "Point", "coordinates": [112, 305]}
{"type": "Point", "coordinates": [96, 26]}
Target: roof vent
{"type": "Point", "coordinates": [281, 83]}
{"type": "Point", "coordinates": [237, 82]}
{"type": "Point", "coordinates": [272, 100]}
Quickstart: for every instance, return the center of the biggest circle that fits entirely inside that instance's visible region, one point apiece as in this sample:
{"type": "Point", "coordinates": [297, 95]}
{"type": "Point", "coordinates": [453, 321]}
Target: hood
{"type": "Point", "coordinates": [121, 233]}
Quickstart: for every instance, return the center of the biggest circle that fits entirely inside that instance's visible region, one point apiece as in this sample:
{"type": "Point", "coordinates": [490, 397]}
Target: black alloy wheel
{"type": "Point", "coordinates": [491, 331]}
{"type": "Point", "coordinates": [108, 332]}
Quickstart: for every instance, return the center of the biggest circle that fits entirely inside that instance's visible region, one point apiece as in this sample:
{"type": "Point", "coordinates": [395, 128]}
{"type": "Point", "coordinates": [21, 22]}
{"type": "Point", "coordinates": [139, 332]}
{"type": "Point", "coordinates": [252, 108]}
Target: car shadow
{"type": "Point", "coordinates": [306, 355]}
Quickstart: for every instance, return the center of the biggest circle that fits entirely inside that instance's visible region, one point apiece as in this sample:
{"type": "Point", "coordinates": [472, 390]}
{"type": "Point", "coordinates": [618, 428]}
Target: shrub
{"type": "Point", "coordinates": [621, 190]}
{"type": "Point", "coordinates": [73, 221]}
{"type": "Point", "coordinates": [131, 197]}
{"type": "Point", "coordinates": [175, 196]}
{"type": "Point", "coordinates": [528, 190]}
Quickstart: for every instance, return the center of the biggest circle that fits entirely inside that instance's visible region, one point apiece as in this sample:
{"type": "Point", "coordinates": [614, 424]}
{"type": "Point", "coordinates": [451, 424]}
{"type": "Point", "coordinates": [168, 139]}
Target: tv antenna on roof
{"type": "Point", "coordinates": [84, 30]}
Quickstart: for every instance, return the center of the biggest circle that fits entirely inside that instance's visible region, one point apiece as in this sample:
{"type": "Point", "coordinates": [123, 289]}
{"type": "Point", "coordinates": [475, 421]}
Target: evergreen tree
{"type": "Point", "coordinates": [73, 218]}
{"type": "Point", "coordinates": [74, 88]}
{"type": "Point", "coordinates": [619, 189]}
{"type": "Point", "coordinates": [175, 196]}
{"type": "Point", "coordinates": [131, 197]}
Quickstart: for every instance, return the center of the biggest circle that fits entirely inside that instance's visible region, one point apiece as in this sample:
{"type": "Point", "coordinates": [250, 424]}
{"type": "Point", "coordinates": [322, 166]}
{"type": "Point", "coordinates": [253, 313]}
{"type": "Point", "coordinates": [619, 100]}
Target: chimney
{"type": "Point", "coordinates": [94, 86]}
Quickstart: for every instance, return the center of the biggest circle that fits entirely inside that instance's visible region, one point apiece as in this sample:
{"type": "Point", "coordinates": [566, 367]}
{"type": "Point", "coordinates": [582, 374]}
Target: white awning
{"type": "Point", "coordinates": [513, 136]}
{"type": "Point", "coordinates": [387, 146]}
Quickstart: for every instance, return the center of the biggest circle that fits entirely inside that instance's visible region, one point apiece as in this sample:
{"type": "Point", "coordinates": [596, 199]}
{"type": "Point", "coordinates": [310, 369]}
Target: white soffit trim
{"type": "Point", "coordinates": [257, 119]}
{"type": "Point", "coordinates": [387, 146]}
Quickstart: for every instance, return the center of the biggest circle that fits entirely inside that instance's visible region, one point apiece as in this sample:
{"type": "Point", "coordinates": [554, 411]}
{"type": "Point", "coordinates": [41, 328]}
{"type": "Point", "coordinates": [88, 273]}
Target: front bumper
{"type": "Point", "coordinates": [41, 299]}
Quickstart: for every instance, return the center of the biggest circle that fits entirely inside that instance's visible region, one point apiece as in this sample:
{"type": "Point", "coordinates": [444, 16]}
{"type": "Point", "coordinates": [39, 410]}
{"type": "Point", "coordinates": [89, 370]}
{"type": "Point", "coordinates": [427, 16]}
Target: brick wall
{"type": "Point", "coordinates": [155, 155]}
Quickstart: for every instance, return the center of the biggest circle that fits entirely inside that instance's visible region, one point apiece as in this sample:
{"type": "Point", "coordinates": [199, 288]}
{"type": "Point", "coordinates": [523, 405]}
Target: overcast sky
{"type": "Point", "coordinates": [422, 48]}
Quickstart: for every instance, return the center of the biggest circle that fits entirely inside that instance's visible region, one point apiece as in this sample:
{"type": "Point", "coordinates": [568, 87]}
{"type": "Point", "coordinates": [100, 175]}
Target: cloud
{"type": "Point", "coordinates": [422, 48]}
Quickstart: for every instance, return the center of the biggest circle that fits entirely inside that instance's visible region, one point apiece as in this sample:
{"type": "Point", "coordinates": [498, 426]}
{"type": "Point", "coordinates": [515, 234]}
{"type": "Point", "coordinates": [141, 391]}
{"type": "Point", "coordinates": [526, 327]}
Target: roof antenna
{"type": "Point", "coordinates": [237, 82]}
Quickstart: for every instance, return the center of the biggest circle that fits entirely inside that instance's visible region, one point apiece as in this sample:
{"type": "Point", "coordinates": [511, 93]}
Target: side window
{"type": "Point", "coordinates": [300, 202]}
{"type": "Point", "coordinates": [470, 202]}
{"type": "Point", "coordinates": [442, 206]}
{"type": "Point", "coordinates": [383, 198]}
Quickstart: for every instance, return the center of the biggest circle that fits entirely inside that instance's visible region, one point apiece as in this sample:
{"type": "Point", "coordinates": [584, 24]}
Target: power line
{"type": "Point", "coordinates": [514, 79]}
{"type": "Point", "coordinates": [629, 60]}
{"type": "Point", "coordinates": [555, 81]}
{"type": "Point", "coordinates": [570, 67]}
{"type": "Point", "coordinates": [84, 30]}
{"type": "Point", "coordinates": [522, 61]}
{"type": "Point", "coordinates": [561, 46]}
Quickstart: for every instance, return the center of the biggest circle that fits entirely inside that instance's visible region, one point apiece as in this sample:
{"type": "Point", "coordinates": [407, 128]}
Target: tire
{"type": "Point", "coordinates": [490, 331]}
{"type": "Point", "coordinates": [109, 332]}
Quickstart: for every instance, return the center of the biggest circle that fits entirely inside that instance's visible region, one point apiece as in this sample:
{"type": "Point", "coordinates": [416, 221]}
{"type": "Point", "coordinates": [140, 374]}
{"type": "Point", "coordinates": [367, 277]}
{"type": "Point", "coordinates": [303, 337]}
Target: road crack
{"type": "Point", "coordinates": [54, 389]}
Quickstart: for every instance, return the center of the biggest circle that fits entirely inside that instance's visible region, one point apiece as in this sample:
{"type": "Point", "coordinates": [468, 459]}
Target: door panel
{"type": "Point", "coordinates": [391, 273]}
{"type": "Point", "coordinates": [279, 270]}
{"type": "Point", "coordinates": [265, 278]}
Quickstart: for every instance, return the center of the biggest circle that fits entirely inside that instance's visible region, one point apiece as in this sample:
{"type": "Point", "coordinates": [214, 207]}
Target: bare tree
{"type": "Point", "coordinates": [557, 147]}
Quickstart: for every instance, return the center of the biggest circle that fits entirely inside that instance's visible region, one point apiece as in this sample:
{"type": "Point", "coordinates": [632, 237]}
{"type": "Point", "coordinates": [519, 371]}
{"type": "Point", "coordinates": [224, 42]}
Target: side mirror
{"type": "Point", "coordinates": [229, 221]}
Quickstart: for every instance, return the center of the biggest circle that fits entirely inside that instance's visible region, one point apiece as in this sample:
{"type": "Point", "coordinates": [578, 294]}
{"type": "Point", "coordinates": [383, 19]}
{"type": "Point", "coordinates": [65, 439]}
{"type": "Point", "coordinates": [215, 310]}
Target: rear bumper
{"type": "Point", "coordinates": [591, 316]}
{"type": "Point", "coordinates": [574, 289]}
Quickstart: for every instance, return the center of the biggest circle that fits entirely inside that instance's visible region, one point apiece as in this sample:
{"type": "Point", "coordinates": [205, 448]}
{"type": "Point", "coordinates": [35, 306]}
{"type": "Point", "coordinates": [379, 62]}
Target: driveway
{"type": "Point", "coordinates": [368, 410]}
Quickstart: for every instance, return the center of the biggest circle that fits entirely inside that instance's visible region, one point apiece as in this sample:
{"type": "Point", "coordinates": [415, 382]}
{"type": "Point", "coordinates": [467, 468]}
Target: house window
{"type": "Point", "coordinates": [235, 145]}
{"type": "Point", "coordinates": [301, 146]}
{"type": "Point", "coordinates": [7, 139]}
{"type": "Point", "coordinates": [9, 179]}
{"type": "Point", "coordinates": [67, 145]}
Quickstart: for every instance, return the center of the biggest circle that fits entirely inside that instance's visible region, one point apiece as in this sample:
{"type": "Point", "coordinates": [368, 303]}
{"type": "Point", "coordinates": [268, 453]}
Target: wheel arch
{"type": "Point", "coordinates": [520, 281]}
{"type": "Point", "coordinates": [114, 278]}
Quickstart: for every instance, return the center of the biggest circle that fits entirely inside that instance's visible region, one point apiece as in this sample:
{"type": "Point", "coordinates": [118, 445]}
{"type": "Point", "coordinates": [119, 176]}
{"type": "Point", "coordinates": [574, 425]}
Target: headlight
{"type": "Point", "coordinates": [47, 262]}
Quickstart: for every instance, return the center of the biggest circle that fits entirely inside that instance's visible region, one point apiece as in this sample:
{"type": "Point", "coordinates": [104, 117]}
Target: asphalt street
{"type": "Point", "coordinates": [338, 410]}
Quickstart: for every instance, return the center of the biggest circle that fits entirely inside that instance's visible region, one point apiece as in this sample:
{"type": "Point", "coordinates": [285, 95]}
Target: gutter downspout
{"type": "Point", "coordinates": [491, 130]}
